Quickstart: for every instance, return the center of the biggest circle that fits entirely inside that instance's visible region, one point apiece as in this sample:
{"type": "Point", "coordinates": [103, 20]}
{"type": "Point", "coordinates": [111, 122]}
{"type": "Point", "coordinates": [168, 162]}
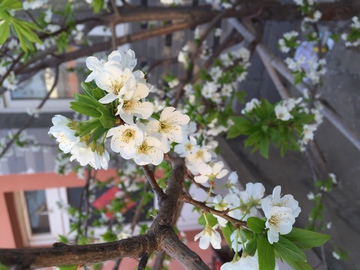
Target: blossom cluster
{"type": "Point", "coordinates": [306, 64]}
{"type": "Point", "coordinates": [220, 4]}
{"type": "Point", "coordinates": [311, 15]}
{"type": "Point", "coordinates": [137, 136]}
{"type": "Point", "coordinates": [288, 41]}
{"type": "Point", "coordinates": [352, 39]}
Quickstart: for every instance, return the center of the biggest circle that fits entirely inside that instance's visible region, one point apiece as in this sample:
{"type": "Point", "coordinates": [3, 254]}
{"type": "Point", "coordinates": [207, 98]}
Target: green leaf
{"type": "Point", "coordinates": [264, 147]}
{"type": "Point", "coordinates": [11, 4]}
{"type": "Point", "coordinates": [241, 126]}
{"type": "Point", "coordinates": [251, 246]}
{"type": "Point", "coordinates": [266, 254]}
{"type": "Point", "coordinates": [107, 119]}
{"type": "Point", "coordinates": [84, 109]}
{"type": "Point", "coordinates": [306, 239]}
{"type": "Point", "coordinates": [257, 225]}
{"type": "Point", "coordinates": [299, 265]}
{"type": "Point", "coordinates": [109, 236]}
{"type": "Point", "coordinates": [209, 217]}
{"type": "Point", "coordinates": [88, 127]}
{"type": "Point", "coordinates": [240, 95]}
{"type": "Point", "coordinates": [67, 267]}
{"type": "Point", "coordinates": [227, 231]}
{"type": "Point", "coordinates": [5, 31]}
{"type": "Point", "coordinates": [4, 267]}
{"type": "Point", "coordinates": [63, 239]}
{"type": "Point", "coordinates": [288, 251]}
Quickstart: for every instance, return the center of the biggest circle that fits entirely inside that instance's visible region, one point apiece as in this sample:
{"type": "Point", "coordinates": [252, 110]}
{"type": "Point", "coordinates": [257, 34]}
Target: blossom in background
{"type": "Point", "coordinates": [209, 236]}
{"type": "Point", "coordinates": [218, 32]}
{"type": "Point", "coordinates": [31, 4]}
{"type": "Point", "coordinates": [10, 81]}
{"type": "Point", "coordinates": [282, 113]}
{"type": "Point", "coordinates": [250, 105]}
{"type": "Point", "coordinates": [174, 82]}
{"type": "Point", "coordinates": [183, 56]}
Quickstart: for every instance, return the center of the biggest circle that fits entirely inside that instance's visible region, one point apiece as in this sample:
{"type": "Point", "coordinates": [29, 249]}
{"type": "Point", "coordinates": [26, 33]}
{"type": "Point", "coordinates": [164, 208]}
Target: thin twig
{"type": "Point", "coordinates": [207, 209]}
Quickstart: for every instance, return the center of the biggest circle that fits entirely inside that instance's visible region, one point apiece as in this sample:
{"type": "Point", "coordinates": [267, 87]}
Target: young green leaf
{"type": "Point", "coordinates": [251, 246]}
{"type": "Point", "coordinates": [109, 236]}
{"type": "Point", "coordinates": [5, 31]}
{"type": "Point", "coordinates": [266, 254]}
{"type": "Point", "coordinates": [257, 225]}
{"type": "Point", "coordinates": [209, 217]}
{"type": "Point", "coordinates": [227, 231]}
{"type": "Point", "coordinates": [67, 267]}
{"type": "Point", "coordinates": [306, 239]}
{"type": "Point", "coordinates": [288, 251]}
{"type": "Point", "coordinates": [4, 267]}
{"type": "Point", "coordinates": [299, 265]}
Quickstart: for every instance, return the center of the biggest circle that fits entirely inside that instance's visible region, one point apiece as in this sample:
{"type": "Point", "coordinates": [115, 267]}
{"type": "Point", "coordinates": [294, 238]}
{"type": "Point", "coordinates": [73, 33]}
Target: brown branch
{"type": "Point", "coordinates": [207, 209]}
{"type": "Point", "coordinates": [62, 254]}
{"type": "Point", "coordinates": [151, 179]}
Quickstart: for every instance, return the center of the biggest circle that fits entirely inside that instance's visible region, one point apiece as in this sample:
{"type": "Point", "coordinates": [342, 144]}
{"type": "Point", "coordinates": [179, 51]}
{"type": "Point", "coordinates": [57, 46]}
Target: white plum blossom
{"type": "Point", "coordinates": [279, 221]}
{"type": "Point", "coordinates": [275, 199]}
{"type": "Point", "coordinates": [280, 212]}
{"type": "Point", "coordinates": [84, 154]}
{"type": "Point", "coordinates": [169, 125]}
{"type": "Point", "coordinates": [132, 106]}
{"type": "Point", "coordinates": [125, 138]}
{"type": "Point", "coordinates": [118, 83]}
{"type": "Point", "coordinates": [186, 147]}
{"type": "Point", "coordinates": [209, 236]}
{"type": "Point", "coordinates": [123, 60]}
{"type": "Point", "coordinates": [149, 152]}
{"type": "Point", "coordinates": [64, 135]}
{"type": "Point", "coordinates": [200, 155]}
{"type": "Point", "coordinates": [209, 173]}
